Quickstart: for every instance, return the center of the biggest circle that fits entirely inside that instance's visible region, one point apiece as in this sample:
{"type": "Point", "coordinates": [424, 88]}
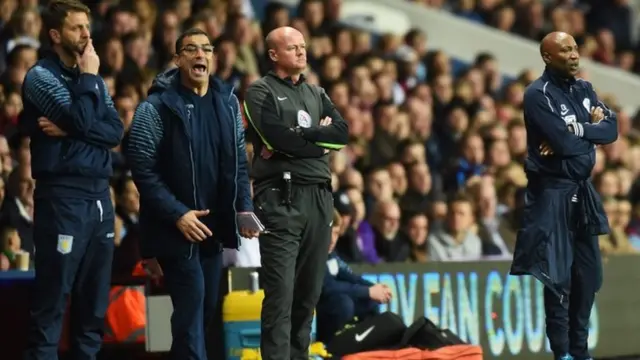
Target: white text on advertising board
{"type": "Point", "coordinates": [507, 313]}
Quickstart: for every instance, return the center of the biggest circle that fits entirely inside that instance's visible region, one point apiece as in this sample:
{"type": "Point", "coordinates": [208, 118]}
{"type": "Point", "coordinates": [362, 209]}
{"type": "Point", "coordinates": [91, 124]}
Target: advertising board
{"type": "Point", "coordinates": [484, 305]}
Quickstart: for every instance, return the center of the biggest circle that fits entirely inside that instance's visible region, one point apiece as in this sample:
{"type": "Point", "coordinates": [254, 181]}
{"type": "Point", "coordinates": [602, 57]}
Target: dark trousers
{"type": "Point", "coordinates": [192, 283]}
{"type": "Point", "coordinates": [74, 250]}
{"type": "Point", "coordinates": [294, 251]}
{"type": "Point", "coordinates": [334, 312]}
{"type": "Point", "coordinates": [567, 323]}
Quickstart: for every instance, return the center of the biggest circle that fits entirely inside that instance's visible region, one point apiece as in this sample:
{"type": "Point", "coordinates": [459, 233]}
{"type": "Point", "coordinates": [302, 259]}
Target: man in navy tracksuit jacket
{"type": "Point", "coordinates": [187, 155]}
{"type": "Point", "coordinates": [72, 124]}
{"type": "Point", "coordinates": [563, 213]}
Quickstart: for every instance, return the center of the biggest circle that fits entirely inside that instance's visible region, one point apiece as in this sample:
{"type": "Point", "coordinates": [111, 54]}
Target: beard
{"type": "Point", "coordinates": [72, 48]}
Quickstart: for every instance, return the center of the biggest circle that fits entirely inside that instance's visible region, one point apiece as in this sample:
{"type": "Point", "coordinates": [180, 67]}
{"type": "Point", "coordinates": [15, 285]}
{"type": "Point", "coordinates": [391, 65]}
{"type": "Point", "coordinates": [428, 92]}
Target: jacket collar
{"type": "Point", "coordinates": [168, 83]}
{"type": "Point", "coordinates": [53, 57]}
{"type": "Point", "coordinates": [288, 80]}
{"type": "Point", "coordinates": [559, 80]}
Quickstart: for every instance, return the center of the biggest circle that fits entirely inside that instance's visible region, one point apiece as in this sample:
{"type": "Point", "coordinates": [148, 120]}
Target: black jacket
{"type": "Point", "coordinates": [284, 120]}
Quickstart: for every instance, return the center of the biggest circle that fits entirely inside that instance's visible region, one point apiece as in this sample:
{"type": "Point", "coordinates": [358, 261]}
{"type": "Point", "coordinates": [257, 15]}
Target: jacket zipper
{"type": "Point", "coordinates": [193, 183]}
{"type": "Point", "coordinates": [235, 175]}
{"type": "Point", "coordinates": [193, 174]}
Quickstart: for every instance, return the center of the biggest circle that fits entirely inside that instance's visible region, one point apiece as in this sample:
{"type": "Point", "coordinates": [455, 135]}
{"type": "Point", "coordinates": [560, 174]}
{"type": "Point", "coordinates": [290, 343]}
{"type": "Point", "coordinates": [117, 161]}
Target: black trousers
{"type": "Point", "coordinates": [74, 251]}
{"type": "Point", "coordinates": [567, 320]}
{"type": "Point", "coordinates": [294, 251]}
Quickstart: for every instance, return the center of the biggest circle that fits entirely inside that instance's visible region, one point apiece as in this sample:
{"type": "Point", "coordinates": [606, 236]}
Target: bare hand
{"type": "Point", "coordinates": [325, 122]}
{"type": "Point", "coordinates": [192, 228]}
{"type": "Point", "coordinates": [89, 62]}
{"type": "Point", "coordinates": [380, 293]}
{"type": "Point", "coordinates": [49, 128]}
{"type": "Point", "coordinates": [266, 153]}
{"type": "Point", "coordinates": [246, 233]}
{"type": "Point", "coordinates": [545, 149]}
{"type": "Point", "coordinates": [597, 114]}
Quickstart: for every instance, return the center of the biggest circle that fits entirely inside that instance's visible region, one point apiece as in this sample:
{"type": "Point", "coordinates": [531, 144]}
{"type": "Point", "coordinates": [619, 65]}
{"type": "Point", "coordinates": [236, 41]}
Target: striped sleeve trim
{"type": "Point", "coordinates": [45, 91]}
{"type": "Point", "coordinates": [145, 134]}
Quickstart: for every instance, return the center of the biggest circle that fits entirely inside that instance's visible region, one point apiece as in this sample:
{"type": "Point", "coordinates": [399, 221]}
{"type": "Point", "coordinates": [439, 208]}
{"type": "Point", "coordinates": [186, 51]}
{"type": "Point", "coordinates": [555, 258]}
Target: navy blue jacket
{"type": "Point", "coordinates": [340, 280]}
{"type": "Point", "coordinates": [77, 165]}
{"type": "Point", "coordinates": [560, 198]}
{"type": "Point", "coordinates": [550, 105]}
{"type": "Point", "coordinates": [160, 153]}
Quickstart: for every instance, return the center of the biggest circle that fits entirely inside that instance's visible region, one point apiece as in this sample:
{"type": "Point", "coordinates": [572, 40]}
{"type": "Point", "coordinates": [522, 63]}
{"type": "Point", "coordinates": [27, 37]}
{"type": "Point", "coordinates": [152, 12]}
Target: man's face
{"type": "Point", "coordinates": [290, 52]}
{"type": "Point", "coordinates": [195, 58]}
{"type": "Point", "coordinates": [227, 53]}
{"type": "Point", "coordinates": [563, 55]}
{"type": "Point", "coordinates": [473, 150]}
{"type": "Point", "coordinates": [460, 216]}
{"type": "Point", "coordinates": [389, 221]}
{"type": "Point", "coordinates": [398, 178]}
{"type": "Point", "coordinates": [380, 185]}
{"type": "Point", "coordinates": [126, 108]}
{"type": "Point", "coordinates": [75, 33]}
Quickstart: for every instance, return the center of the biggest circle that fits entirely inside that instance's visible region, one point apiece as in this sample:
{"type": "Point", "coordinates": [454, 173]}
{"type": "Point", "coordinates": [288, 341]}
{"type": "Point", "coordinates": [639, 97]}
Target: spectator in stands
{"type": "Point", "coordinates": [17, 211]}
{"type": "Point", "coordinates": [11, 246]}
{"type": "Point", "coordinates": [417, 197]}
{"type": "Point", "coordinates": [457, 240]}
{"type": "Point", "coordinates": [497, 239]}
{"type": "Point", "coordinates": [469, 164]}
{"type": "Point", "coordinates": [416, 229]}
{"type": "Point", "coordinates": [390, 244]}
{"type": "Point", "coordinates": [617, 241]}
{"type": "Point", "coordinates": [345, 297]}
{"type": "Point", "coordinates": [364, 236]}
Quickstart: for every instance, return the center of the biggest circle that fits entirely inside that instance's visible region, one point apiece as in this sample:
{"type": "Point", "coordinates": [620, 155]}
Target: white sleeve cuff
{"type": "Point", "coordinates": [579, 129]}
{"type": "Point", "coordinates": [576, 128]}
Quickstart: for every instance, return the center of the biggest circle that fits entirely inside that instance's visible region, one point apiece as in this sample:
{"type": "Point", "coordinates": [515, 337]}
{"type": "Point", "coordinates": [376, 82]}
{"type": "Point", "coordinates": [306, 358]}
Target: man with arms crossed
{"type": "Point", "coordinates": [73, 125]}
{"type": "Point", "coordinates": [563, 213]}
{"type": "Point", "coordinates": [187, 155]}
{"type": "Point", "coordinates": [293, 125]}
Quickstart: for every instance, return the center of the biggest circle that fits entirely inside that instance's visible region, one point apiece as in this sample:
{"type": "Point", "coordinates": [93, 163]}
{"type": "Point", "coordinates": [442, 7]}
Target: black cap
{"type": "Point", "coordinates": [342, 203]}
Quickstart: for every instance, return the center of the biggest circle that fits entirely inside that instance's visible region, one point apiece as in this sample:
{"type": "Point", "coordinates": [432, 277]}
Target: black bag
{"type": "Point", "coordinates": [424, 334]}
{"type": "Point", "coordinates": [382, 331]}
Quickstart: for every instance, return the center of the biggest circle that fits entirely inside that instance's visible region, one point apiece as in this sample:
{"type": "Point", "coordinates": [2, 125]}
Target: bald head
{"type": "Point", "coordinates": [552, 41]}
{"type": "Point", "coordinates": [287, 50]}
{"type": "Point", "coordinates": [278, 36]}
{"type": "Point", "coordinates": [559, 51]}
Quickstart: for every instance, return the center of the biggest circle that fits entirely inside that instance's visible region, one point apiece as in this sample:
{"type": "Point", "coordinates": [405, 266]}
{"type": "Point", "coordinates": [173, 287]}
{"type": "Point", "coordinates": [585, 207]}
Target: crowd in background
{"type": "Point", "coordinates": [434, 167]}
{"type": "Point", "coordinates": [605, 29]}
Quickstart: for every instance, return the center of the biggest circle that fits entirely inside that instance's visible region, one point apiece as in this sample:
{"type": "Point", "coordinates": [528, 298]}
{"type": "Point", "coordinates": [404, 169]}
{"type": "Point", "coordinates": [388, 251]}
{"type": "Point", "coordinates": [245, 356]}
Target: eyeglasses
{"type": "Point", "coordinates": [192, 49]}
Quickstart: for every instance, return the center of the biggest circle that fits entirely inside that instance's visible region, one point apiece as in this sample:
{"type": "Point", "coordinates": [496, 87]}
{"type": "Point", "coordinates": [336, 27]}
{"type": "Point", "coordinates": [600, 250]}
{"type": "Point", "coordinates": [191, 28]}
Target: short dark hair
{"type": "Point", "coordinates": [57, 10]}
{"type": "Point", "coordinates": [189, 33]}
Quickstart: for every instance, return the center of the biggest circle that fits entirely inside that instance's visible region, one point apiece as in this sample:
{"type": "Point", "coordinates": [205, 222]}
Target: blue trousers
{"type": "Point", "coordinates": [567, 322]}
{"type": "Point", "coordinates": [192, 283]}
{"type": "Point", "coordinates": [74, 250]}
{"type": "Point", "coordinates": [334, 312]}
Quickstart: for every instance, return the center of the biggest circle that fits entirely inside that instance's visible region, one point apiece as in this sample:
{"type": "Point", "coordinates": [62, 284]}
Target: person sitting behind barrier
{"type": "Point", "coordinates": [345, 295]}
